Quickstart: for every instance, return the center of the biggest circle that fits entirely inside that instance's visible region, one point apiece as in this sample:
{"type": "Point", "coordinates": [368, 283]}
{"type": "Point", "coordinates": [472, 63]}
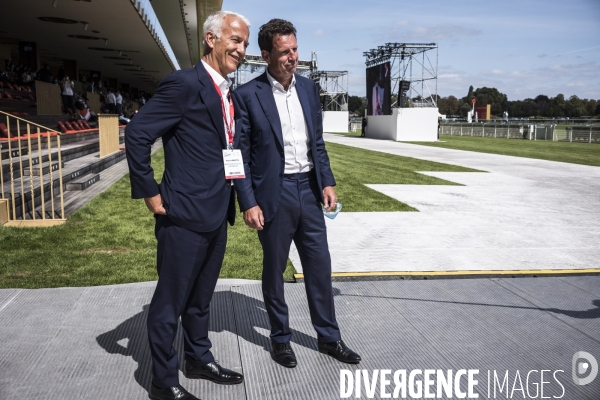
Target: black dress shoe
{"type": "Point", "coordinates": [339, 351]}
{"type": "Point", "coordinates": [175, 392]}
{"type": "Point", "coordinates": [213, 372]}
{"type": "Point", "coordinates": [283, 354]}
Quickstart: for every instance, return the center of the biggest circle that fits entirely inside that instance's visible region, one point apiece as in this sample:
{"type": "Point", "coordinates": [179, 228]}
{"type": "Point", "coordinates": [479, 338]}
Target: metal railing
{"type": "Point", "coordinates": [31, 178]}
{"type": "Point", "coordinates": [582, 133]}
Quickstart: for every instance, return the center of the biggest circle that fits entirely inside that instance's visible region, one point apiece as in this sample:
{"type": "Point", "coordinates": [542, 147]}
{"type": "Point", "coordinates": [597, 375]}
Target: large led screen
{"type": "Point", "coordinates": [379, 90]}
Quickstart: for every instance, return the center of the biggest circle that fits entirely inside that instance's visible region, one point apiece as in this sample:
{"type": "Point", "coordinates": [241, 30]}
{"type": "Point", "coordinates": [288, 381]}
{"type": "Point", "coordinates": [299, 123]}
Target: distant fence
{"type": "Point", "coordinates": [355, 126]}
{"type": "Point", "coordinates": [581, 133]}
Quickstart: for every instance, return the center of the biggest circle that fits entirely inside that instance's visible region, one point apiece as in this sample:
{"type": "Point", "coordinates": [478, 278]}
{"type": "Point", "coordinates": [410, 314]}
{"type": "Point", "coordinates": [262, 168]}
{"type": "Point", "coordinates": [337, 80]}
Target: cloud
{"type": "Point", "coordinates": [318, 32]}
{"type": "Point", "coordinates": [409, 33]}
{"type": "Point", "coordinates": [543, 55]}
{"type": "Point", "coordinates": [449, 76]}
{"type": "Point", "coordinates": [578, 50]}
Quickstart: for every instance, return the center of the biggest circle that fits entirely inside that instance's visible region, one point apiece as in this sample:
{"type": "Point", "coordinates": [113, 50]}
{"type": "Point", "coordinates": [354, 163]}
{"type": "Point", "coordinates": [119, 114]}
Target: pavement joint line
{"type": "Point", "coordinates": [7, 303]}
{"type": "Point", "coordinates": [462, 273]}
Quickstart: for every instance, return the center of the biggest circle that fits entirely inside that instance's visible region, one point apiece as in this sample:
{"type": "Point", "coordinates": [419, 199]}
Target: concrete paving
{"type": "Point", "coordinates": [91, 343]}
{"type": "Point", "coordinates": [520, 214]}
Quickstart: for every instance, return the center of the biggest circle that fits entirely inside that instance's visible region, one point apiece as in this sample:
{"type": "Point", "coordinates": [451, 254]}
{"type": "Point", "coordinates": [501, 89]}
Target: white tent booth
{"type": "Point", "coordinates": [405, 124]}
{"type": "Point", "coordinates": [335, 121]}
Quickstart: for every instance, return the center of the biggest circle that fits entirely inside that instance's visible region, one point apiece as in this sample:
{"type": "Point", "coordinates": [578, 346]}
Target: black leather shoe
{"type": "Point", "coordinates": [175, 392]}
{"type": "Point", "coordinates": [213, 372]}
{"type": "Point", "coordinates": [339, 351]}
{"type": "Point", "coordinates": [283, 354]}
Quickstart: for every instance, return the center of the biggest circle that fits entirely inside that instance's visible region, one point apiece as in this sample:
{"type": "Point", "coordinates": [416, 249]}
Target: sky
{"type": "Point", "coordinates": [521, 47]}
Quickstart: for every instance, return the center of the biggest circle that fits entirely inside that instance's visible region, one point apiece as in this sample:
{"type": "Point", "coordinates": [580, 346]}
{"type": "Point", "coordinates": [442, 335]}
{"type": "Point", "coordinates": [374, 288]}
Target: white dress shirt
{"type": "Point", "coordinates": [223, 84]}
{"type": "Point", "coordinates": [293, 126]}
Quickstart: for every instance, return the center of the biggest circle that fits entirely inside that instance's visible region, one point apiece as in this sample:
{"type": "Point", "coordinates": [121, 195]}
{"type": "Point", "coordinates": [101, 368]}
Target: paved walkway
{"type": "Point", "coordinates": [91, 343]}
{"type": "Point", "coordinates": [520, 214]}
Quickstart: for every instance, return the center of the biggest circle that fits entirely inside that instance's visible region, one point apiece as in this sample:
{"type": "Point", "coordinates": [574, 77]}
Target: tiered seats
{"type": "Point", "coordinates": [73, 126]}
{"type": "Point", "coordinates": [81, 167]}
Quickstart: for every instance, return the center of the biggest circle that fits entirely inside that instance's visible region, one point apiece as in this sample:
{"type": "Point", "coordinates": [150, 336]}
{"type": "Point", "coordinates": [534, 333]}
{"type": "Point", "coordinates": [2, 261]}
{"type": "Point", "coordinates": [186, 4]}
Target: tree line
{"type": "Point", "coordinates": [540, 107]}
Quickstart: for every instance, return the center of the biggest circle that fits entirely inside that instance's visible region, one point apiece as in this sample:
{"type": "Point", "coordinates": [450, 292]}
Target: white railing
{"type": "Point", "coordinates": [582, 133]}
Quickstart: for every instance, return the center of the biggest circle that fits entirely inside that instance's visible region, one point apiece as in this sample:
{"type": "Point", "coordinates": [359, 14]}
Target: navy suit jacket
{"type": "Point", "coordinates": [186, 112]}
{"type": "Point", "coordinates": [261, 142]}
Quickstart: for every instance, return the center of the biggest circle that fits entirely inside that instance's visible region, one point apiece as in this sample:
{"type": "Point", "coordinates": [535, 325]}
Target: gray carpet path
{"type": "Point", "coordinates": [90, 343]}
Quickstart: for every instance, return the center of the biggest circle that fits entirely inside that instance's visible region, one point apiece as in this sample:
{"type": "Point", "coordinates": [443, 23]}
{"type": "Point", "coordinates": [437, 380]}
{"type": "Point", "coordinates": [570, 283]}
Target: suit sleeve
{"type": "Point", "coordinates": [159, 115]}
{"type": "Point", "coordinates": [243, 187]}
{"type": "Point", "coordinates": [321, 157]}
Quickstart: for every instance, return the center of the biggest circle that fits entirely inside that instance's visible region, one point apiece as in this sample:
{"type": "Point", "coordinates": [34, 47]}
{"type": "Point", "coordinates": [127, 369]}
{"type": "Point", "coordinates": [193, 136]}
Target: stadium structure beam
{"type": "Point", "coordinates": [203, 9]}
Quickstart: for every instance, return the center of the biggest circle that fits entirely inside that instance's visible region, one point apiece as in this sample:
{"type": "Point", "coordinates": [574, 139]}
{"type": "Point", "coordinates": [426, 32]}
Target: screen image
{"type": "Point", "coordinates": [379, 90]}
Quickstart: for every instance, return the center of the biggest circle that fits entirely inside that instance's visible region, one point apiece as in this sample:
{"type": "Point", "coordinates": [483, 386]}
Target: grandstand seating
{"type": "Point", "coordinates": [80, 165]}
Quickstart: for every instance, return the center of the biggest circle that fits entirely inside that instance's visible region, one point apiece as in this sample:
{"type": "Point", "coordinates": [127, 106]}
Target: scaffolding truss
{"type": "Point", "coordinates": [422, 76]}
{"type": "Point", "coordinates": [333, 85]}
{"type": "Point", "coordinates": [333, 89]}
{"type": "Point", "coordinates": [253, 66]}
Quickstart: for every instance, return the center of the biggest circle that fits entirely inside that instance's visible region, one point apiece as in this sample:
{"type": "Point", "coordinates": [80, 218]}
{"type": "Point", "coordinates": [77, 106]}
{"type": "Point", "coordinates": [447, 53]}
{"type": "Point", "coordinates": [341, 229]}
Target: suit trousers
{"type": "Point", "coordinates": [299, 218]}
{"type": "Point", "coordinates": [188, 266]}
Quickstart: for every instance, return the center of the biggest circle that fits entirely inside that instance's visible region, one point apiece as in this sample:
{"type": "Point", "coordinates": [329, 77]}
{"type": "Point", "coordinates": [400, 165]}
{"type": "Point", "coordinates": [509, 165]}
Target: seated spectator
{"type": "Point", "coordinates": [44, 74]}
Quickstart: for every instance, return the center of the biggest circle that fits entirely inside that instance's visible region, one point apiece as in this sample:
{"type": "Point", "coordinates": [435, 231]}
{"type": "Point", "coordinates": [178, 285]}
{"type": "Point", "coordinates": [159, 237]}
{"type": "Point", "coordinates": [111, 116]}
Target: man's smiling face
{"type": "Point", "coordinates": [230, 48]}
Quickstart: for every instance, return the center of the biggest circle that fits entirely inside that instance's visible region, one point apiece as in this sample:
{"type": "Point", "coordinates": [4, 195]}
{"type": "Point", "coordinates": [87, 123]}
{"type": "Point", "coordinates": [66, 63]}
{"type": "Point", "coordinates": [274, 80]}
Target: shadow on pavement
{"type": "Point", "coordinates": [245, 309]}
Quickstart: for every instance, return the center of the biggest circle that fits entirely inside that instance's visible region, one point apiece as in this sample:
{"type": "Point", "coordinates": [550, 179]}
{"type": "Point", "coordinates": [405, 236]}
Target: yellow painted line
{"type": "Point", "coordinates": [465, 272]}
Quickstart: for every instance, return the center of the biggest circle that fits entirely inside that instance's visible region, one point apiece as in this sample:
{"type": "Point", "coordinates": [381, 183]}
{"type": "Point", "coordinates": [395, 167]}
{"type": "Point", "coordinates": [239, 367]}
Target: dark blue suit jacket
{"type": "Point", "coordinates": [261, 142]}
{"type": "Point", "coordinates": [186, 112]}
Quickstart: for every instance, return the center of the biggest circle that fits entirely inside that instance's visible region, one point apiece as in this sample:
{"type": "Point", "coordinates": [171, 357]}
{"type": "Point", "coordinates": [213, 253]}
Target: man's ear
{"type": "Point", "coordinates": [265, 55]}
{"type": "Point", "coordinates": [210, 38]}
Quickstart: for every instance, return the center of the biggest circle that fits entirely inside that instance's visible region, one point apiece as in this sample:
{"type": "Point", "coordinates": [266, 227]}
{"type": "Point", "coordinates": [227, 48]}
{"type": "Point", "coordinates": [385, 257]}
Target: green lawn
{"type": "Point", "coordinates": [111, 240]}
{"type": "Point", "coordinates": [576, 153]}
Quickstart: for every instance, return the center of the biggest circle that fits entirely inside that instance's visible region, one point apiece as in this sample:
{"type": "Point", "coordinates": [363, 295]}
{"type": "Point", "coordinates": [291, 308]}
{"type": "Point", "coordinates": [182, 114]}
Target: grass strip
{"type": "Point", "coordinates": [575, 153]}
{"type": "Point", "coordinates": [111, 240]}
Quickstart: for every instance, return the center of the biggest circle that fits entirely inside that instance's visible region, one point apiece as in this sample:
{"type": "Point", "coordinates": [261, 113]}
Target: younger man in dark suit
{"type": "Point", "coordinates": [287, 178]}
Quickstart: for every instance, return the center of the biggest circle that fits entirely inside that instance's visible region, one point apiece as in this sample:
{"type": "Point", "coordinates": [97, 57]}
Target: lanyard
{"type": "Point", "coordinates": [228, 124]}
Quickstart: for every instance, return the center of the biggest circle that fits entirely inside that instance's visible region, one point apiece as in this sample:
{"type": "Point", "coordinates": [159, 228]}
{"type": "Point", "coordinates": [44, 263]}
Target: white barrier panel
{"type": "Point", "coordinates": [405, 124]}
{"type": "Point", "coordinates": [335, 121]}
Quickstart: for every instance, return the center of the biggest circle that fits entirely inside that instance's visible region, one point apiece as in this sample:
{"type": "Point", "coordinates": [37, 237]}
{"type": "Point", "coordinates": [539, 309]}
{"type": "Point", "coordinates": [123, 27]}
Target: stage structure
{"type": "Point", "coordinates": [413, 71]}
{"type": "Point", "coordinates": [412, 76]}
{"type": "Point", "coordinates": [253, 66]}
{"type": "Point", "coordinates": [333, 88]}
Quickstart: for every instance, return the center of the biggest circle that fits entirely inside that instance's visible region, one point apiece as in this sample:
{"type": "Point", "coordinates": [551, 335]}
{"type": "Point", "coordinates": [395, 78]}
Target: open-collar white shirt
{"type": "Point", "coordinates": [296, 141]}
{"type": "Point", "coordinates": [224, 84]}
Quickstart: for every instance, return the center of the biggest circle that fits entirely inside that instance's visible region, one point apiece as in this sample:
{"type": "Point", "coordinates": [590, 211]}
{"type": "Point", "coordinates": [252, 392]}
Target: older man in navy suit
{"type": "Point", "coordinates": [287, 178]}
{"type": "Point", "coordinates": [193, 112]}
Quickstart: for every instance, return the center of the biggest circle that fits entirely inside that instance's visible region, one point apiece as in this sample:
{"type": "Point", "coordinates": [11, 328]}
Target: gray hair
{"type": "Point", "coordinates": [214, 23]}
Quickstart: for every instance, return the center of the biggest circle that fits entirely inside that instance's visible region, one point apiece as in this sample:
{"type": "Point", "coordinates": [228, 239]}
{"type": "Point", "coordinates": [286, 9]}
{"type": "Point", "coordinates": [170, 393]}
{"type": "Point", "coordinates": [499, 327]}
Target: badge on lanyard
{"type": "Point", "coordinates": [234, 166]}
{"type": "Point", "coordinates": [232, 158]}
